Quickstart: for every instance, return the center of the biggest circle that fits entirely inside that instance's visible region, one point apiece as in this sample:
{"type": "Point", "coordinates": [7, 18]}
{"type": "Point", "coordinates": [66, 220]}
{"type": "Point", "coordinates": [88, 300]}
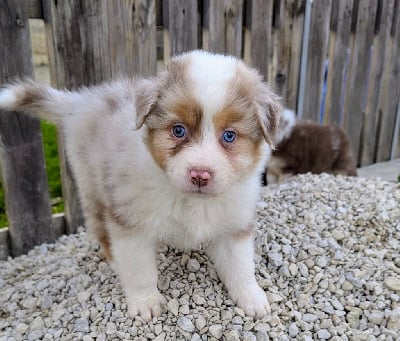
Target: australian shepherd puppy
{"type": "Point", "coordinates": [305, 146]}
{"type": "Point", "coordinates": [174, 159]}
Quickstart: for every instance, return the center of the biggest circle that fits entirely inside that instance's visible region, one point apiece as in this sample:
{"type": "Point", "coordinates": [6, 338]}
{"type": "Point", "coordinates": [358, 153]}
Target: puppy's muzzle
{"type": "Point", "coordinates": [200, 177]}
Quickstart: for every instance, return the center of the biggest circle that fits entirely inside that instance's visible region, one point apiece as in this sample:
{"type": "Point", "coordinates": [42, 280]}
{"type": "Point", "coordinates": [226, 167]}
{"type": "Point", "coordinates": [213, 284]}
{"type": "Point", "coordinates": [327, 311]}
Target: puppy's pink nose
{"type": "Point", "coordinates": [199, 177]}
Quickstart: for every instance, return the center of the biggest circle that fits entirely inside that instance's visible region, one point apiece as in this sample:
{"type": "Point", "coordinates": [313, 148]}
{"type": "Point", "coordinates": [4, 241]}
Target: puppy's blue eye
{"type": "Point", "coordinates": [179, 131]}
{"type": "Point", "coordinates": [229, 136]}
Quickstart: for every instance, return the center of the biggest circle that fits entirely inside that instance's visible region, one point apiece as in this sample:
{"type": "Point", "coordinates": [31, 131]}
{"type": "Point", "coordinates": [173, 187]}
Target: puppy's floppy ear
{"type": "Point", "coordinates": [146, 95]}
{"type": "Point", "coordinates": [269, 109]}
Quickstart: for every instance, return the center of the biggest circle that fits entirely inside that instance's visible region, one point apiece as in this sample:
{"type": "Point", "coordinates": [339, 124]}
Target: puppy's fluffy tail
{"type": "Point", "coordinates": [37, 100]}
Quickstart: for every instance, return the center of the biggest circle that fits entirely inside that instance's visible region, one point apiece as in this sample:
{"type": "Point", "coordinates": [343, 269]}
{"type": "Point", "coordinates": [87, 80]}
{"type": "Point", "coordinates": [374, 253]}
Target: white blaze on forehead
{"type": "Point", "coordinates": [210, 75]}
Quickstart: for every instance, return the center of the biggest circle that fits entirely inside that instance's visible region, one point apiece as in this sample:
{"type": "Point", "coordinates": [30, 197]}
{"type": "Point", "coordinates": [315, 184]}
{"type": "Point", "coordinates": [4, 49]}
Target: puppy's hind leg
{"type": "Point", "coordinates": [95, 221]}
{"type": "Point", "coordinates": [233, 257]}
{"type": "Point", "coordinates": [134, 260]}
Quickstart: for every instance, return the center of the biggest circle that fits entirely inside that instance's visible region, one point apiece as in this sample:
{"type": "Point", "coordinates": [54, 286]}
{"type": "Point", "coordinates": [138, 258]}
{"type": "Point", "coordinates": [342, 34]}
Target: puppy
{"type": "Point", "coordinates": [306, 146]}
{"type": "Point", "coordinates": [174, 159]}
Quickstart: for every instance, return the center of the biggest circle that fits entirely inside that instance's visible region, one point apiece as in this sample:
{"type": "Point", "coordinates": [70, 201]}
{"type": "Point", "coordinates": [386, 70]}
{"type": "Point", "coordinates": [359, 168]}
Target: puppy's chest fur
{"type": "Point", "coordinates": [179, 220]}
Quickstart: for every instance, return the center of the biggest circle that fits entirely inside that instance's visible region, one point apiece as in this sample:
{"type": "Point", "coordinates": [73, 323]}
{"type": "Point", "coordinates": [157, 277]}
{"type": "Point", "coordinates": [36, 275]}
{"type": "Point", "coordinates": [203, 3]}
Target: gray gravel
{"type": "Point", "coordinates": [328, 255]}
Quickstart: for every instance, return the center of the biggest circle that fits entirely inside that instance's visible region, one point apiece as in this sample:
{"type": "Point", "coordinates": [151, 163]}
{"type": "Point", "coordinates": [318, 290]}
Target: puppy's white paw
{"type": "Point", "coordinates": [253, 300]}
{"type": "Point", "coordinates": [146, 307]}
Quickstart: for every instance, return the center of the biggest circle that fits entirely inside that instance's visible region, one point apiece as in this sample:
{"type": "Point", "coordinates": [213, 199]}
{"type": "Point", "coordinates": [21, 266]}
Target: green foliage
{"type": "Point", "coordinates": [49, 133]}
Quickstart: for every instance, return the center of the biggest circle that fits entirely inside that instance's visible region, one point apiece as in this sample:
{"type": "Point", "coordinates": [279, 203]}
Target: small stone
{"type": "Point", "coordinates": [324, 334]}
{"type": "Point", "coordinates": [239, 311]}
{"type": "Point", "coordinates": [195, 337]}
{"type": "Point", "coordinates": [173, 306]}
{"type": "Point", "coordinates": [309, 318]}
{"type": "Point", "coordinates": [249, 336]}
{"type": "Point", "coordinates": [82, 325]}
{"type": "Point", "coordinates": [376, 317]}
{"type": "Point", "coordinates": [111, 328]}
{"type": "Point", "coordinates": [226, 315]}
{"type": "Point", "coordinates": [199, 300]}
{"type": "Point", "coordinates": [37, 324]}
{"type": "Point", "coordinates": [237, 320]}
{"type": "Point", "coordinates": [47, 301]}
{"type": "Point", "coordinates": [303, 269]}
{"type": "Point", "coordinates": [185, 324]}
{"type": "Point", "coordinates": [193, 265]}
{"type": "Point", "coordinates": [322, 261]}
{"type": "Point", "coordinates": [338, 235]}
{"type": "Point", "coordinates": [347, 286]}
{"type": "Point", "coordinates": [394, 320]}
{"type": "Point", "coordinates": [184, 309]}
{"type": "Point", "coordinates": [232, 335]}
{"type": "Point", "coordinates": [160, 337]}
{"type": "Point", "coordinates": [248, 325]}
{"type": "Point", "coordinates": [216, 331]}
{"type": "Point", "coordinates": [29, 303]}
{"type": "Point", "coordinates": [33, 336]}
{"type": "Point", "coordinates": [353, 317]}
{"type": "Point", "coordinates": [293, 330]}
{"type": "Point", "coordinates": [158, 328]}
{"type": "Point", "coordinates": [275, 259]}
{"type": "Point", "coordinates": [83, 297]}
{"type": "Point", "coordinates": [337, 305]}
{"type": "Point", "coordinates": [293, 269]}
{"type": "Point", "coordinates": [21, 328]}
{"type": "Point", "coordinates": [262, 336]}
{"type": "Point", "coordinates": [200, 322]}
{"type": "Point", "coordinates": [392, 283]}
{"type": "Point", "coordinates": [273, 298]}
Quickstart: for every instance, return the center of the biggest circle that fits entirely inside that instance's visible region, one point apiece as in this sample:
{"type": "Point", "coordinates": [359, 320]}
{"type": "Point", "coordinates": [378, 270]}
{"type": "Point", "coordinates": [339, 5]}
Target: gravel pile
{"type": "Point", "coordinates": [328, 255]}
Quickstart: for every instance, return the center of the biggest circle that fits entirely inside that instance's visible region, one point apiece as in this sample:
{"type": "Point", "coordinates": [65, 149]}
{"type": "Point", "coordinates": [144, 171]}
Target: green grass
{"type": "Point", "coordinates": [49, 133]}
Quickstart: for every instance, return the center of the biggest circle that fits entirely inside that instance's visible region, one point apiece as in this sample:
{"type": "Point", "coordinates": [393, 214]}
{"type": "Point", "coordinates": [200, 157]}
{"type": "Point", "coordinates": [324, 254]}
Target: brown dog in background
{"type": "Point", "coordinates": [306, 146]}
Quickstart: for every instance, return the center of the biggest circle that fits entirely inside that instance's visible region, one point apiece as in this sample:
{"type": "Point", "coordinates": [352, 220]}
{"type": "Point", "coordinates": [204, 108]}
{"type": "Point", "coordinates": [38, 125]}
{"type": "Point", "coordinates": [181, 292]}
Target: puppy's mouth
{"type": "Point", "coordinates": [200, 192]}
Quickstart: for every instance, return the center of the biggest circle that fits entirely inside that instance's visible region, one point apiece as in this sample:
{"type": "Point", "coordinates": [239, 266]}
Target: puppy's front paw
{"type": "Point", "coordinates": [253, 300]}
{"type": "Point", "coordinates": [146, 307]}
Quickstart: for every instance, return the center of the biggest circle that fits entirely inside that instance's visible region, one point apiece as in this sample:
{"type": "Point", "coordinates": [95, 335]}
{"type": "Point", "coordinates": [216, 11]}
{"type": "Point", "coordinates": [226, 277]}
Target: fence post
{"type": "Point", "coordinates": [223, 24]}
{"type": "Point", "coordinates": [181, 22]}
{"type": "Point", "coordinates": [258, 38]}
{"type": "Point", "coordinates": [21, 149]}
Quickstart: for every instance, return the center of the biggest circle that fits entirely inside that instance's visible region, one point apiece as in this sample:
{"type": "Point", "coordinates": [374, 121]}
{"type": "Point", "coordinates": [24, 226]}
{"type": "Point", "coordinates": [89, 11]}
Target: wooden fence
{"type": "Point", "coordinates": [332, 61]}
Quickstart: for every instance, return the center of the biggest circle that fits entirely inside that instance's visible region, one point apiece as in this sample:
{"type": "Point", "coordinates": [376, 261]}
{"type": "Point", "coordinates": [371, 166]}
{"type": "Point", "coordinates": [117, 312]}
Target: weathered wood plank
{"type": "Point", "coordinates": [395, 151]}
{"type": "Point", "coordinates": [287, 37]}
{"type": "Point", "coordinates": [355, 104]}
{"type": "Point", "coordinates": [234, 27]}
{"type": "Point", "coordinates": [144, 53]}
{"type": "Point", "coordinates": [21, 149]}
{"type": "Point", "coordinates": [181, 23]}
{"type": "Point", "coordinates": [297, 11]}
{"type": "Point", "coordinates": [316, 57]}
{"type": "Point", "coordinates": [339, 53]}
{"type": "Point", "coordinates": [34, 9]}
{"type": "Point", "coordinates": [223, 23]}
{"type": "Point", "coordinates": [379, 57]}
{"type": "Point", "coordinates": [132, 44]}
{"type": "Point", "coordinates": [391, 95]}
{"type": "Point", "coordinates": [258, 39]}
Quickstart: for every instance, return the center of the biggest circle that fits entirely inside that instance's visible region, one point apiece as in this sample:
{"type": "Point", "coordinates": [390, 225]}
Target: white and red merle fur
{"type": "Point", "coordinates": [174, 159]}
{"type": "Point", "coordinates": [306, 146]}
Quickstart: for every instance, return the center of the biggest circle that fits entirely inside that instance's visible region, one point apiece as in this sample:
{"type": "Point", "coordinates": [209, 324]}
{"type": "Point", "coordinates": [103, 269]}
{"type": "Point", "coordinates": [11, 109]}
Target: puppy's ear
{"type": "Point", "coordinates": [269, 109]}
{"type": "Point", "coordinates": [146, 95]}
